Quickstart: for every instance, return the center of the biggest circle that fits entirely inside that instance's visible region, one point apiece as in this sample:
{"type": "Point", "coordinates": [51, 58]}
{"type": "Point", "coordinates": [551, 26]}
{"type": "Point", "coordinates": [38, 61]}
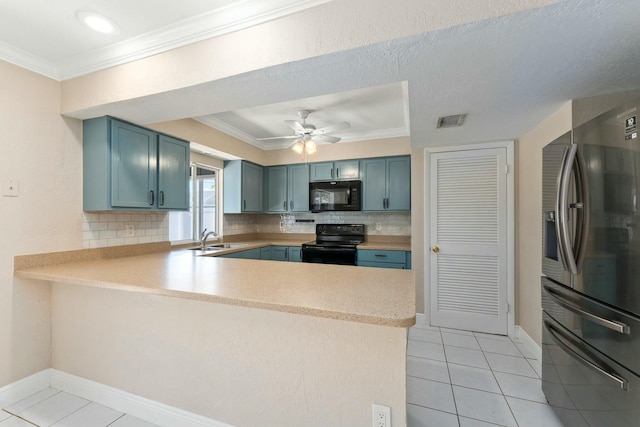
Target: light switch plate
{"type": "Point", "coordinates": [10, 187]}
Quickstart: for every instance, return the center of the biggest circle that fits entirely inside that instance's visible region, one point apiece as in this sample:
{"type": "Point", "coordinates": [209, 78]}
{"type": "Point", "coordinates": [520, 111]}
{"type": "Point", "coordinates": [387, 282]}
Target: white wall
{"type": "Point", "coordinates": [42, 150]}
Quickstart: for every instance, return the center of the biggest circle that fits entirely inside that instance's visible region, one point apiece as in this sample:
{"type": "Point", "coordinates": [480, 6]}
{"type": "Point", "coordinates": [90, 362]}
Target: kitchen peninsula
{"type": "Point", "coordinates": [243, 342]}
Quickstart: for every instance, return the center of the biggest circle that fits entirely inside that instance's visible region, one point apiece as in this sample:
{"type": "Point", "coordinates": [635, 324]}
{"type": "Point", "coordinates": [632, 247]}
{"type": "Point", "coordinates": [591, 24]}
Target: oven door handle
{"type": "Point", "coordinates": [558, 337]}
{"type": "Point", "coordinates": [610, 324]}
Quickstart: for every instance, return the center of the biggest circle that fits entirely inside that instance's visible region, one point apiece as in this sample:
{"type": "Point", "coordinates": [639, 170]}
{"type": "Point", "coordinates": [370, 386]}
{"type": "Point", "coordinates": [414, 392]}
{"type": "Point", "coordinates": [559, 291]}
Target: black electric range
{"type": "Point", "coordinates": [335, 244]}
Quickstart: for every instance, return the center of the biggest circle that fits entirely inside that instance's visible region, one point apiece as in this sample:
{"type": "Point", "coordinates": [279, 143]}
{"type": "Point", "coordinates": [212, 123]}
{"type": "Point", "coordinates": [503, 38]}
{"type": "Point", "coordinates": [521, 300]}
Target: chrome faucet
{"type": "Point", "coordinates": [204, 236]}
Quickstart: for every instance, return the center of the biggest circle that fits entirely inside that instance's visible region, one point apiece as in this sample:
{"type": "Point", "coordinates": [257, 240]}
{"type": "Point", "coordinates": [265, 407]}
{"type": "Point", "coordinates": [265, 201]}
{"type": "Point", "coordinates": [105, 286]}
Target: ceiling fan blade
{"type": "Point", "coordinates": [326, 138]}
{"type": "Point", "coordinates": [277, 137]}
{"type": "Point", "coordinates": [295, 126]}
{"type": "Point", "coordinates": [331, 128]}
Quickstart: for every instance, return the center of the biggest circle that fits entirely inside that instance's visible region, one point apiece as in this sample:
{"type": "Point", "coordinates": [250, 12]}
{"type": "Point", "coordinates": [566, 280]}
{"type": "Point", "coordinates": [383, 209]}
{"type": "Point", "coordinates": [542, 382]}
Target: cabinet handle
{"type": "Point", "coordinates": [338, 172]}
{"type": "Point", "coordinates": [162, 198]}
{"type": "Point", "coordinates": [244, 204]}
{"type": "Point", "coordinates": [291, 204]}
{"type": "Point", "coordinates": [380, 255]}
{"type": "Point", "coordinates": [331, 172]}
{"type": "Point", "coordinates": [286, 253]}
{"type": "Point", "coordinates": [284, 205]}
{"type": "Point", "coordinates": [153, 199]}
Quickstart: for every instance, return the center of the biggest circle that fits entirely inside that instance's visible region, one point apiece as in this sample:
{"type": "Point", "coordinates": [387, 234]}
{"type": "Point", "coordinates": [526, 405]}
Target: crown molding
{"type": "Point", "coordinates": [279, 145]}
{"type": "Point", "coordinates": [211, 24]}
{"type": "Point", "coordinates": [26, 60]}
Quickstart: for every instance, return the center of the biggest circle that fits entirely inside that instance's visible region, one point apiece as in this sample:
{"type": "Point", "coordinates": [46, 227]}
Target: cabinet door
{"type": "Point", "coordinates": [133, 166]}
{"type": "Point", "coordinates": [298, 194]}
{"type": "Point", "coordinates": [173, 173]}
{"type": "Point", "coordinates": [399, 184]}
{"type": "Point", "coordinates": [373, 184]}
{"type": "Point", "coordinates": [321, 171]}
{"type": "Point", "coordinates": [347, 169]}
{"type": "Point", "coordinates": [251, 187]}
{"type": "Point", "coordinates": [276, 188]}
{"type": "Point", "coordinates": [265, 253]}
{"type": "Point", "coordinates": [280, 253]}
{"type": "Point", "coordinates": [295, 254]}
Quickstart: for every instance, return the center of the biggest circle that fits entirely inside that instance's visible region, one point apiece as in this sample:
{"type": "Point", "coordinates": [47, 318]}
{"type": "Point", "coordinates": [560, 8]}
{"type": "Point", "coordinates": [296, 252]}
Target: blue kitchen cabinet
{"type": "Point", "coordinates": [280, 253]}
{"type": "Point", "coordinates": [382, 258]}
{"type": "Point", "coordinates": [340, 170]}
{"type": "Point", "coordinates": [265, 253]}
{"type": "Point", "coordinates": [286, 188]}
{"type": "Point", "coordinates": [173, 173]}
{"type": "Point", "coordinates": [386, 184]}
{"type": "Point", "coordinates": [286, 253]}
{"type": "Point", "coordinates": [128, 167]}
{"type": "Point", "coordinates": [242, 187]}
{"type": "Point", "coordinates": [295, 253]}
{"type": "Point", "coordinates": [247, 254]}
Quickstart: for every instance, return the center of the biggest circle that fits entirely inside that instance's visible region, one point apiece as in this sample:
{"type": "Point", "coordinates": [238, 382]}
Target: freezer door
{"type": "Point", "coordinates": [578, 377]}
{"type": "Point", "coordinates": [613, 332]}
{"type": "Point", "coordinates": [552, 160]}
{"type": "Point", "coordinates": [611, 268]}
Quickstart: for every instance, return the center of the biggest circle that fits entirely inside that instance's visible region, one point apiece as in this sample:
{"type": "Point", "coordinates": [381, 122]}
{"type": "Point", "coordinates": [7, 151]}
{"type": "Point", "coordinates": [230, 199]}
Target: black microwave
{"type": "Point", "coordinates": [335, 196]}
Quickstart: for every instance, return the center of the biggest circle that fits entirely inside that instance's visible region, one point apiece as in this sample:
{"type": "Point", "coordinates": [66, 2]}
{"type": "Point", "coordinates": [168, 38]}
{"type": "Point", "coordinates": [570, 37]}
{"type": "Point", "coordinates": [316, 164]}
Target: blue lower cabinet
{"type": "Point", "coordinates": [295, 253]}
{"type": "Point", "coordinates": [382, 258]}
{"type": "Point", "coordinates": [248, 254]}
{"type": "Point", "coordinates": [280, 253]}
{"type": "Point", "coordinates": [265, 253]}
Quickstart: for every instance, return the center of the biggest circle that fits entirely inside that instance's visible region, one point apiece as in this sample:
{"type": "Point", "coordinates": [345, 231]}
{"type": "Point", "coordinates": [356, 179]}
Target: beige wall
{"type": "Point", "coordinates": [329, 28]}
{"type": "Point", "coordinates": [242, 366]}
{"type": "Point", "coordinates": [346, 150]}
{"type": "Point", "coordinates": [419, 203]}
{"type": "Point", "coordinates": [529, 220]}
{"type": "Point", "coordinates": [42, 150]}
{"type": "Point", "coordinates": [195, 131]}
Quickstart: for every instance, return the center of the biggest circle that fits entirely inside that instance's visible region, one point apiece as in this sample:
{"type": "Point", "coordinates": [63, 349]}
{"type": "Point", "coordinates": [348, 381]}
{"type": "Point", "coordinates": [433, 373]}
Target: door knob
{"type": "Point", "coordinates": [435, 249]}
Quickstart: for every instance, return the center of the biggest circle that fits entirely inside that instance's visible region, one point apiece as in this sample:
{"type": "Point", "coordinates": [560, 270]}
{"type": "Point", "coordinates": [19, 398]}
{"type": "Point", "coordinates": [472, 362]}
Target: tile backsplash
{"type": "Point", "coordinates": [391, 224]}
{"type": "Point", "coordinates": [102, 229]}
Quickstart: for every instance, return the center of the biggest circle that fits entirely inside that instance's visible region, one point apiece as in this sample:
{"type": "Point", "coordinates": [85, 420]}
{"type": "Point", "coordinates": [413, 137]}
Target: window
{"type": "Point", "coordinates": [203, 206]}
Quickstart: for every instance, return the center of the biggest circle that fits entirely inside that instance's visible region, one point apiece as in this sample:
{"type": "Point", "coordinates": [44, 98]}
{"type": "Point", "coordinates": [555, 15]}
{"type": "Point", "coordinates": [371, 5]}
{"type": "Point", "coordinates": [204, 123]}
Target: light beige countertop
{"type": "Point", "coordinates": [391, 246]}
{"type": "Point", "coordinates": [368, 295]}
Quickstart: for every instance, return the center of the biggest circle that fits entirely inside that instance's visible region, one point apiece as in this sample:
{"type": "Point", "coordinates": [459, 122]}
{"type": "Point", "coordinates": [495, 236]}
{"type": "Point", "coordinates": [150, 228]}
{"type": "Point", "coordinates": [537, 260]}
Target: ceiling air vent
{"type": "Point", "coordinates": [451, 121]}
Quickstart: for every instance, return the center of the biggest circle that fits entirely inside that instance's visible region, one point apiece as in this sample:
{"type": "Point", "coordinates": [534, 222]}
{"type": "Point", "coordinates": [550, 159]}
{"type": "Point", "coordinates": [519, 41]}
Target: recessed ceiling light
{"type": "Point", "coordinates": [97, 22]}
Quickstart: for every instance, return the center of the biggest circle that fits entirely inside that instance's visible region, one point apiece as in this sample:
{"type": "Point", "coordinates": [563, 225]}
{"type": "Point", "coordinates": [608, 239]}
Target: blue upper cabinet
{"type": "Point", "coordinates": [242, 187]}
{"type": "Point", "coordinates": [286, 188]}
{"type": "Point", "coordinates": [328, 171]}
{"type": "Point", "coordinates": [173, 173]}
{"type": "Point", "coordinates": [386, 184]}
{"type": "Point", "coordinates": [128, 167]}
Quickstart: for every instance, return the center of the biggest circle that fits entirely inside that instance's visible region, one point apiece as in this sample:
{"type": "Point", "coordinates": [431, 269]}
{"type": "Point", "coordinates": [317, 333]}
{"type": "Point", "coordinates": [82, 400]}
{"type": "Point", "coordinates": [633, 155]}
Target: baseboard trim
{"type": "Point", "coordinates": [138, 406]}
{"type": "Point", "coordinates": [23, 388]}
{"type": "Point", "coordinates": [529, 342]}
{"type": "Point", "coordinates": [421, 320]}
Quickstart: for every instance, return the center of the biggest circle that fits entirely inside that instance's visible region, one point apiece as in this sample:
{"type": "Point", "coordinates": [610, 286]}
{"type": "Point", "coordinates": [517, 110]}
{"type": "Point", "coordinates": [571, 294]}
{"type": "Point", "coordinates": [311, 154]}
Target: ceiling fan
{"type": "Point", "coordinates": [306, 133]}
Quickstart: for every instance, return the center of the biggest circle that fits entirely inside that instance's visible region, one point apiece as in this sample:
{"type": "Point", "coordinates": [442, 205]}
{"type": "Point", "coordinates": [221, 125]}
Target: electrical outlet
{"type": "Point", "coordinates": [381, 416]}
{"type": "Point", "coordinates": [378, 226]}
{"type": "Point", "coordinates": [131, 230]}
{"type": "Point", "coordinates": [10, 188]}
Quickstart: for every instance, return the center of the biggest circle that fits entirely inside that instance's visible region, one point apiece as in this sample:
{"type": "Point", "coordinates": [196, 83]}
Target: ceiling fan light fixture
{"type": "Point", "coordinates": [310, 146]}
{"type": "Point", "coordinates": [98, 22]}
{"type": "Point", "coordinates": [298, 147]}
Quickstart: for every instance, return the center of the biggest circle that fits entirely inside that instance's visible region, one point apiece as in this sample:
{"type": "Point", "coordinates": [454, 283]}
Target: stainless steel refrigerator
{"type": "Point", "coordinates": [591, 272]}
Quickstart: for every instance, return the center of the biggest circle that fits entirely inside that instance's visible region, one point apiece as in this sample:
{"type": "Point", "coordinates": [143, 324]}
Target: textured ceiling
{"type": "Point", "coordinates": [506, 73]}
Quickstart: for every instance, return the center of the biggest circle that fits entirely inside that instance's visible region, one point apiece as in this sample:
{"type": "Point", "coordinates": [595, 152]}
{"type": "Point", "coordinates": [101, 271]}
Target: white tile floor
{"type": "Point", "coordinates": [464, 379]}
{"type": "Point", "coordinates": [51, 407]}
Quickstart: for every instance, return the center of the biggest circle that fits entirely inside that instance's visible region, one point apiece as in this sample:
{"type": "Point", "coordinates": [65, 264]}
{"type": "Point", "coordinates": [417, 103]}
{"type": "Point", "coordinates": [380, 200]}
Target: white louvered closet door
{"type": "Point", "coordinates": [469, 240]}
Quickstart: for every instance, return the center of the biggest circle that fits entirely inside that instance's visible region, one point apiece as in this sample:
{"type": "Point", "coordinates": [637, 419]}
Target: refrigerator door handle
{"type": "Point", "coordinates": [583, 208]}
{"type": "Point", "coordinates": [610, 324]}
{"type": "Point", "coordinates": [558, 337]}
{"type": "Point", "coordinates": [562, 210]}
